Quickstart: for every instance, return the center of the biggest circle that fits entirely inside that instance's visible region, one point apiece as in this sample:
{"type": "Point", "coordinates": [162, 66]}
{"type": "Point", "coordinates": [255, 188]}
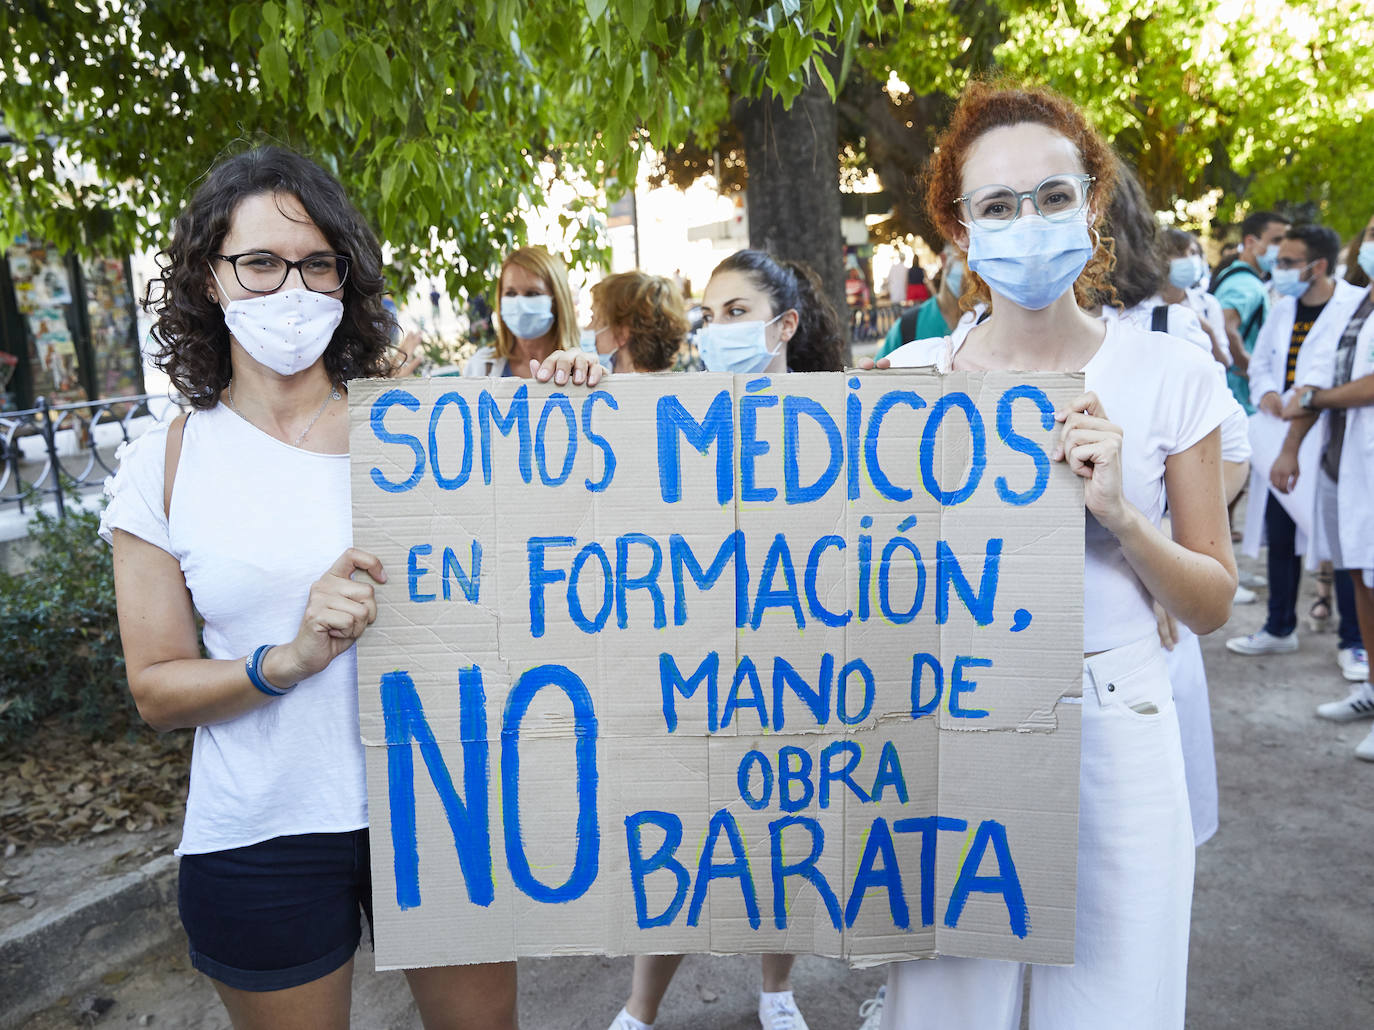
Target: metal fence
{"type": "Point", "coordinates": [52, 449]}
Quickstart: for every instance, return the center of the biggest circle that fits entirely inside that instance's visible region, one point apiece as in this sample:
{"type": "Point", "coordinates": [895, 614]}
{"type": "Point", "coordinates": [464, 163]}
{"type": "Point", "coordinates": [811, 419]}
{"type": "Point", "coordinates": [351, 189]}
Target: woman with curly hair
{"type": "Point", "coordinates": [637, 323]}
{"type": "Point", "coordinates": [1019, 181]}
{"type": "Point", "coordinates": [270, 300]}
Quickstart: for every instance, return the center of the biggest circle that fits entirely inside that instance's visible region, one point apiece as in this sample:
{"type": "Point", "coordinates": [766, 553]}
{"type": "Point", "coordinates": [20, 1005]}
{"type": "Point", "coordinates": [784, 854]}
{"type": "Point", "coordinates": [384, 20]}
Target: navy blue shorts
{"type": "Point", "coordinates": [276, 914]}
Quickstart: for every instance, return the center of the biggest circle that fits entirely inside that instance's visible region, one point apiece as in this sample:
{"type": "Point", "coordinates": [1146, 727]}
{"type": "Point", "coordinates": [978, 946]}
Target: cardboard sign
{"type": "Point", "coordinates": [702, 663]}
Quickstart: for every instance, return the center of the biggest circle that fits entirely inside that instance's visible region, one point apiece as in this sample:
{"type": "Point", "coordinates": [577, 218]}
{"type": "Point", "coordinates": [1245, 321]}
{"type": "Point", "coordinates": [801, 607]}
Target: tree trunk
{"type": "Point", "coordinates": [793, 198]}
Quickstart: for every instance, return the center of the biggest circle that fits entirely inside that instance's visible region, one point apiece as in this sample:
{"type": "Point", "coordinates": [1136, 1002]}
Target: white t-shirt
{"type": "Point", "coordinates": [254, 523]}
{"type": "Point", "coordinates": [1165, 398]}
{"type": "Point", "coordinates": [1183, 322]}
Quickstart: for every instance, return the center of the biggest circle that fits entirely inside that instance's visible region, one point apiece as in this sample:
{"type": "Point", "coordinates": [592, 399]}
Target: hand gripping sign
{"type": "Point", "coordinates": [711, 663]}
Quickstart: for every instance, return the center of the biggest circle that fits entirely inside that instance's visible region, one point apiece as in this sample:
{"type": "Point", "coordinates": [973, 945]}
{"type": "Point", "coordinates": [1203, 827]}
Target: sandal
{"type": "Point", "coordinates": [1319, 615]}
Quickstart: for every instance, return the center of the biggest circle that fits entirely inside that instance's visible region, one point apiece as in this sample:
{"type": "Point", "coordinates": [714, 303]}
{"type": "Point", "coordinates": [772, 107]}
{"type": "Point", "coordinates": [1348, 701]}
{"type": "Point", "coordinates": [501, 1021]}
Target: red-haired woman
{"type": "Point", "coordinates": [1018, 182]}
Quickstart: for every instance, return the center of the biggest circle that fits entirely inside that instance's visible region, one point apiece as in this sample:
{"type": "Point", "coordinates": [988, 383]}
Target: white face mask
{"type": "Point", "coordinates": [739, 347]}
{"type": "Point", "coordinates": [1365, 258]}
{"type": "Point", "coordinates": [587, 341]}
{"type": "Point", "coordinates": [1183, 272]}
{"type": "Point", "coordinates": [287, 331]}
{"type": "Point", "coordinates": [528, 318]}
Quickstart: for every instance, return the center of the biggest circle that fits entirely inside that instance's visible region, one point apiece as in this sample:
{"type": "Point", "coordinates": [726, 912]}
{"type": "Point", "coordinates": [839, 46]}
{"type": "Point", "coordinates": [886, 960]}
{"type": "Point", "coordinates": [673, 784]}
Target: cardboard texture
{"type": "Point", "coordinates": [702, 663]}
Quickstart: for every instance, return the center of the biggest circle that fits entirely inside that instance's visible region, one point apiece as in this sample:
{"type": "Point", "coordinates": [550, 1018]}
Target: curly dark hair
{"type": "Point", "coordinates": [649, 308]}
{"type": "Point", "coordinates": [818, 344]}
{"type": "Point", "coordinates": [992, 104]}
{"type": "Point", "coordinates": [192, 338]}
{"type": "Point", "coordinates": [1140, 249]}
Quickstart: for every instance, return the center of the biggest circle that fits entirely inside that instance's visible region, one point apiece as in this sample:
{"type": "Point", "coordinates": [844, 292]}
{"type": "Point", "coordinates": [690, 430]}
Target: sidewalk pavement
{"type": "Point", "coordinates": [1282, 934]}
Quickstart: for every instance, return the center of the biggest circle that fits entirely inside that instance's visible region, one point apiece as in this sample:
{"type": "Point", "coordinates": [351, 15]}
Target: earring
{"type": "Point", "coordinates": [1097, 237]}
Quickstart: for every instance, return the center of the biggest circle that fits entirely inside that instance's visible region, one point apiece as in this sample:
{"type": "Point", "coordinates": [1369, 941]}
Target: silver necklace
{"type": "Point", "coordinates": [334, 395]}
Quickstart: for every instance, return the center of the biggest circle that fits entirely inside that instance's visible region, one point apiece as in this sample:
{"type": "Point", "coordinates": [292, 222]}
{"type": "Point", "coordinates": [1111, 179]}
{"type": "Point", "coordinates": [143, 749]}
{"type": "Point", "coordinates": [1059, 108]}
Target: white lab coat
{"type": "Point", "coordinates": [1268, 371]}
{"type": "Point", "coordinates": [1355, 485]}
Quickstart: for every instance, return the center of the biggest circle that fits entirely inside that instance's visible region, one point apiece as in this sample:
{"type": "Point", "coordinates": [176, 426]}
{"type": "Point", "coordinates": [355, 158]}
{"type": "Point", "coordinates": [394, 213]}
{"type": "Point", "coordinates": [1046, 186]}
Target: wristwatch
{"type": "Point", "coordinates": [1306, 398]}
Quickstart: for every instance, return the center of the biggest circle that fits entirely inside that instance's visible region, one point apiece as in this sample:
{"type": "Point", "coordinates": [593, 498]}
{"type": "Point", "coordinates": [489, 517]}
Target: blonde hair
{"type": "Point", "coordinates": [649, 308]}
{"type": "Point", "coordinates": [538, 261]}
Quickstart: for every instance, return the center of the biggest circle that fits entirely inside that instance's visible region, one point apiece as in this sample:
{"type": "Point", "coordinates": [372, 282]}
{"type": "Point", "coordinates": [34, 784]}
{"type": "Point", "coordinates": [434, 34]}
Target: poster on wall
{"type": "Point", "coordinates": [110, 314]}
{"type": "Point", "coordinates": [43, 294]}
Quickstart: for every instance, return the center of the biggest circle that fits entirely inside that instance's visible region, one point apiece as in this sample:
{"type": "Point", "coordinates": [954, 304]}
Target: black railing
{"type": "Point", "coordinates": [55, 448]}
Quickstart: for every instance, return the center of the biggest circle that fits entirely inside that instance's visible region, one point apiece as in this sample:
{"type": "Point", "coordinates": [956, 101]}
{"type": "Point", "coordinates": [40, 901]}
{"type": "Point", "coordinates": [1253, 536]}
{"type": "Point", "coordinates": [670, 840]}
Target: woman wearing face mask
{"type": "Point", "coordinates": [638, 323]}
{"type": "Point", "coordinates": [767, 315]}
{"type": "Point", "coordinates": [536, 319]}
{"type": "Point", "coordinates": [1335, 391]}
{"type": "Point", "coordinates": [934, 317]}
{"type": "Point", "coordinates": [1187, 285]}
{"type": "Point", "coordinates": [1020, 179]}
{"type": "Point", "coordinates": [270, 300]}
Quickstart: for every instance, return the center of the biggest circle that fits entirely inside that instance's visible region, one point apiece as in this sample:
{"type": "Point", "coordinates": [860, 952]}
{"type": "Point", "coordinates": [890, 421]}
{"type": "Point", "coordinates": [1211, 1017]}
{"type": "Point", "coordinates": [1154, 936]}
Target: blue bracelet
{"type": "Point", "coordinates": [254, 668]}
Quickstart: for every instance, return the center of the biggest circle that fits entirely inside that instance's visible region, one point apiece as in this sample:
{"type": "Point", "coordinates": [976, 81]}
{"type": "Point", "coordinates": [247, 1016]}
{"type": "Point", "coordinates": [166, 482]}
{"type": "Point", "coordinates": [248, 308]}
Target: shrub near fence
{"type": "Point", "coordinates": [60, 652]}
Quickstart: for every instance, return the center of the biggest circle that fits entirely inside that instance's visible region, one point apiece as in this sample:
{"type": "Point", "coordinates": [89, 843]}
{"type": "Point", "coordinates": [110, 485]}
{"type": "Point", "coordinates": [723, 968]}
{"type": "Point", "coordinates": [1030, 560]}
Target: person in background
{"type": "Point", "coordinates": [1335, 390]}
{"type": "Point", "coordinates": [536, 316]}
{"type": "Point", "coordinates": [1228, 254]}
{"type": "Point", "coordinates": [896, 281]}
{"type": "Point", "coordinates": [1019, 179]}
{"type": "Point", "coordinates": [765, 316]}
{"type": "Point", "coordinates": [937, 315]}
{"type": "Point", "coordinates": [637, 323]}
{"type": "Point", "coordinates": [1309, 298]}
{"type": "Point", "coordinates": [1184, 285]}
{"type": "Point", "coordinates": [1243, 296]}
{"type": "Point", "coordinates": [917, 292]}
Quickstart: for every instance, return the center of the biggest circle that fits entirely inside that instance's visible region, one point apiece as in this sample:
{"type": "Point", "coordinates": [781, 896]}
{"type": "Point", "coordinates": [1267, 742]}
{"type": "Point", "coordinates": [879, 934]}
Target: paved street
{"type": "Point", "coordinates": [1283, 927]}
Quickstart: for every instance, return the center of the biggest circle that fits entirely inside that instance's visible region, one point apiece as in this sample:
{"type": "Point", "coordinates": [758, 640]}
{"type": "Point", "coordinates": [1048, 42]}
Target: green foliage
{"type": "Point", "coordinates": [58, 631]}
{"type": "Point", "coordinates": [443, 118]}
{"type": "Point", "coordinates": [1264, 100]}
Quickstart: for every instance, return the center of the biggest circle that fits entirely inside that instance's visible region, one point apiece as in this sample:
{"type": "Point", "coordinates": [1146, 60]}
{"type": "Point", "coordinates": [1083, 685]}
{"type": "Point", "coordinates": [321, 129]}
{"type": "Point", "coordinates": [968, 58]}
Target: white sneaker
{"type": "Point", "coordinates": [1244, 595]}
{"type": "Point", "coordinates": [1354, 663]}
{"type": "Point", "coordinates": [778, 1011]}
{"type": "Point", "coordinates": [1263, 643]}
{"type": "Point", "coordinates": [872, 1010]}
{"type": "Point", "coordinates": [1365, 748]}
{"type": "Point", "coordinates": [1359, 705]}
{"type": "Point", "coordinates": [1253, 579]}
{"type": "Point", "coordinates": [625, 1021]}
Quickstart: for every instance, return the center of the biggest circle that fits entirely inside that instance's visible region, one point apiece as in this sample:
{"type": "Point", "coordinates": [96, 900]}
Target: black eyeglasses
{"type": "Point", "coordinates": [261, 271]}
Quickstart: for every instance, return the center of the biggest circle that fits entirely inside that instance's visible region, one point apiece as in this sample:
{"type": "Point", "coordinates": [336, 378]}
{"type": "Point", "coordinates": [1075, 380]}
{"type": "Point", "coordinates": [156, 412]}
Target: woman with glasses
{"type": "Point", "coordinates": [1019, 181]}
{"type": "Point", "coordinates": [270, 301]}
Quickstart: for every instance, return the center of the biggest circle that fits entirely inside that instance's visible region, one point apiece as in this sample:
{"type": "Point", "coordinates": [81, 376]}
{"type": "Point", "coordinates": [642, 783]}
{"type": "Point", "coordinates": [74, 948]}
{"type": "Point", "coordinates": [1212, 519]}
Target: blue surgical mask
{"type": "Point", "coordinates": [1365, 259]}
{"type": "Point", "coordinates": [738, 347]}
{"type": "Point", "coordinates": [1183, 272]}
{"type": "Point", "coordinates": [1288, 282]}
{"type": "Point", "coordinates": [1033, 261]}
{"type": "Point", "coordinates": [528, 317]}
{"type": "Point", "coordinates": [954, 276]}
{"type": "Point", "coordinates": [1267, 259]}
{"type": "Point", "coordinates": [587, 341]}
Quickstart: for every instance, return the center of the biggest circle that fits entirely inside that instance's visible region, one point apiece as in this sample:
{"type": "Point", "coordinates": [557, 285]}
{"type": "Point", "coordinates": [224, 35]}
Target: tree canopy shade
{"type": "Point", "coordinates": [441, 117]}
{"type": "Point", "coordinates": [1264, 102]}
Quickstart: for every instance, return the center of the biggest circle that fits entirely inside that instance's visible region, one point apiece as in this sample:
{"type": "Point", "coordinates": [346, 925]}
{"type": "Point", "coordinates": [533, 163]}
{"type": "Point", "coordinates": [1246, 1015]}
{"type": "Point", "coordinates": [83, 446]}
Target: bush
{"type": "Point", "coordinates": [60, 652]}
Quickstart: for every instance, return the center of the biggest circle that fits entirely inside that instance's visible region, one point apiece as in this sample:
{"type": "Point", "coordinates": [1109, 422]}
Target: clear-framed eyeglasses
{"type": "Point", "coordinates": [1058, 198]}
{"type": "Point", "coordinates": [261, 271]}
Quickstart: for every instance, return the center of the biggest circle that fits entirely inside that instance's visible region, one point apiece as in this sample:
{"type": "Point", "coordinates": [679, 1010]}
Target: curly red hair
{"type": "Point", "coordinates": [986, 105]}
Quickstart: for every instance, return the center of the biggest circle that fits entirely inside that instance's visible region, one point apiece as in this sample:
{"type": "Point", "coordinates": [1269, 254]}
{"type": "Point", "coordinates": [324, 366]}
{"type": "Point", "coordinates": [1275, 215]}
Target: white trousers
{"type": "Point", "coordinates": [1189, 678]}
{"type": "Point", "coordinates": [1135, 882]}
